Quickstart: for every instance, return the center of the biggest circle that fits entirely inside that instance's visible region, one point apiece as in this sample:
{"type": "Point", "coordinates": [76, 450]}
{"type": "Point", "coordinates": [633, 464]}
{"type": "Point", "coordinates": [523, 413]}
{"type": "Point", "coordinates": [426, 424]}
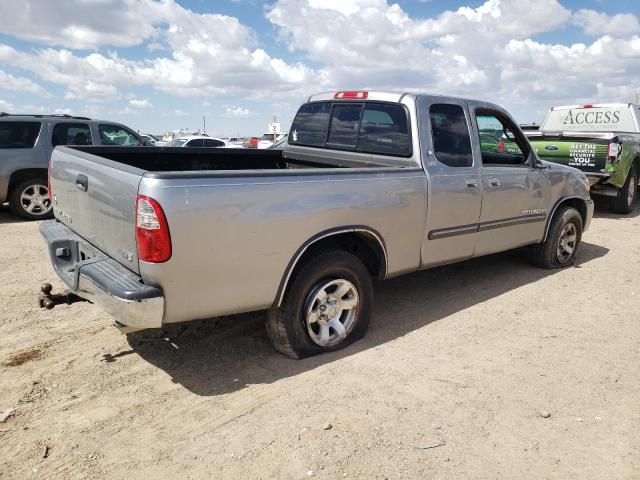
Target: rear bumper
{"type": "Point", "coordinates": [100, 279]}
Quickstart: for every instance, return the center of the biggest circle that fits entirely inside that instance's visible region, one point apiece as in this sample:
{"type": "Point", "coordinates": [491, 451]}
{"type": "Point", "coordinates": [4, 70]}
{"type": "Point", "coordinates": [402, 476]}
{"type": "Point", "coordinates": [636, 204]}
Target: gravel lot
{"type": "Point", "coordinates": [463, 358]}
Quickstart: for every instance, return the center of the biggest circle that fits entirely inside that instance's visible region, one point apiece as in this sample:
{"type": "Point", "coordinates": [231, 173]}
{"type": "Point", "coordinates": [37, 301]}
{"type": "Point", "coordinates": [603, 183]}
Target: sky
{"type": "Point", "coordinates": [160, 65]}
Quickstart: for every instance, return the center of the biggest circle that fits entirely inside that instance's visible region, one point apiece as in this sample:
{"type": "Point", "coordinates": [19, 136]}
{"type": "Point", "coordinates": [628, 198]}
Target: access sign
{"type": "Point", "coordinates": [606, 119]}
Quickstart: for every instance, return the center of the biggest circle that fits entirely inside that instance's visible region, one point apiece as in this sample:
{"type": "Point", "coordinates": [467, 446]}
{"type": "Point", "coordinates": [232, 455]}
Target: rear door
{"type": "Point", "coordinates": [96, 198]}
{"type": "Point", "coordinates": [455, 186]}
{"type": "Point", "coordinates": [515, 193]}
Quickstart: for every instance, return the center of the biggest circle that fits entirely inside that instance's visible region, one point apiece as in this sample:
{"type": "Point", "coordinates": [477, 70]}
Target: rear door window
{"type": "Point", "coordinates": [71, 134]}
{"type": "Point", "coordinates": [196, 142]}
{"type": "Point", "coordinates": [117, 135]}
{"type": "Point", "coordinates": [19, 134]}
{"type": "Point", "coordinates": [450, 133]}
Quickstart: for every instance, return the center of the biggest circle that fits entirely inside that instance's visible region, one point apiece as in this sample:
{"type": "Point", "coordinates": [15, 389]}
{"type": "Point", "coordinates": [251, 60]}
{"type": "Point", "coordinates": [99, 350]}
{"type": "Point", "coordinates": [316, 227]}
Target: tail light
{"type": "Point", "coordinates": [501, 146]}
{"type": "Point", "coordinates": [358, 95]}
{"type": "Point", "coordinates": [152, 232]}
{"type": "Point", "coordinates": [614, 149]}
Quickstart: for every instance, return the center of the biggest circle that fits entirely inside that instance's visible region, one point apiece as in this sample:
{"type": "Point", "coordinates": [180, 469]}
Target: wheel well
{"type": "Point", "coordinates": [365, 245]}
{"type": "Point", "coordinates": [576, 203]}
{"type": "Point", "coordinates": [25, 174]}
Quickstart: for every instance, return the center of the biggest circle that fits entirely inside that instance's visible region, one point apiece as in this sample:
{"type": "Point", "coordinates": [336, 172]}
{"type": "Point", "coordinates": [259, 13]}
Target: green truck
{"type": "Point", "coordinates": [602, 140]}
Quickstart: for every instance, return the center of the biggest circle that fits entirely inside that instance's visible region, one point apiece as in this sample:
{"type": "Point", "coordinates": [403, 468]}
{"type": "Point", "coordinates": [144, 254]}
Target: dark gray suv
{"type": "Point", "coordinates": [26, 143]}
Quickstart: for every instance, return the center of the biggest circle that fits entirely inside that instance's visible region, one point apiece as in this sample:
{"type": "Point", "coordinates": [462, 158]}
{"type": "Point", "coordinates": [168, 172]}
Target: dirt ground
{"type": "Point", "coordinates": [449, 383]}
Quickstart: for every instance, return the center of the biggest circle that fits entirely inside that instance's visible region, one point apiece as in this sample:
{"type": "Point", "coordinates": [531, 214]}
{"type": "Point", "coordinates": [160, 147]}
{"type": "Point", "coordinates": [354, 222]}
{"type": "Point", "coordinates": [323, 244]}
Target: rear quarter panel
{"type": "Point", "coordinates": [233, 237]}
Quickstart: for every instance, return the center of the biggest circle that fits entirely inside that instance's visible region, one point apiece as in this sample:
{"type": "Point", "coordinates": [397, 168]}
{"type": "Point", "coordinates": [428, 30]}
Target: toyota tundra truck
{"type": "Point", "coordinates": [370, 185]}
{"type": "Point", "coordinates": [602, 140]}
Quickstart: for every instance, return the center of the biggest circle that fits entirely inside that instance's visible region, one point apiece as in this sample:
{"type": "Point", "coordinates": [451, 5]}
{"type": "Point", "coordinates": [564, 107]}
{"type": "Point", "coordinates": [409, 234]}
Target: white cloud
{"type": "Point", "coordinates": [236, 112]}
{"type": "Point", "coordinates": [207, 54]}
{"type": "Point", "coordinates": [6, 106]}
{"type": "Point", "coordinates": [21, 84]}
{"type": "Point", "coordinates": [484, 52]}
{"type": "Point", "coordinates": [81, 24]}
{"type": "Point", "coordinates": [144, 103]}
{"type": "Point", "coordinates": [597, 23]}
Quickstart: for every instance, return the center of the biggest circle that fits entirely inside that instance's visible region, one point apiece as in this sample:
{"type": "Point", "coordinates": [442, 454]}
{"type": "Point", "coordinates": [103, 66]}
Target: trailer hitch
{"type": "Point", "coordinates": [49, 300]}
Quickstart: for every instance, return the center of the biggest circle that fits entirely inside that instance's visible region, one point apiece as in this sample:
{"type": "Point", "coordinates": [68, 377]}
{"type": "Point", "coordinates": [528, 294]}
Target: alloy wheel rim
{"type": "Point", "coordinates": [35, 199]}
{"type": "Point", "coordinates": [331, 312]}
{"type": "Point", "coordinates": [567, 243]}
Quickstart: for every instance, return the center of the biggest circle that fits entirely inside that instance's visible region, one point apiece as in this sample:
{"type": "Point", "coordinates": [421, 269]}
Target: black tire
{"type": "Point", "coordinates": [627, 195]}
{"type": "Point", "coordinates": [287, 325]}
{"type": "Point", "coordinates": [38, 212]}
{"type": "Point", "coordinates": [550, 253]}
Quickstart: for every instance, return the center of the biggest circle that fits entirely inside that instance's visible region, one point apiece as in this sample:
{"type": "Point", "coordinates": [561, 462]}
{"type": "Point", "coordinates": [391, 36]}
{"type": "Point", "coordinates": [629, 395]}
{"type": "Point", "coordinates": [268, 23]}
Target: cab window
{"type": "Point", "coordinates": [117, 135]}
{"type": "Point", "coordinates": [450, 133]}
{"type": "Point", "coordinates": [71, 134]}
{"type": "Point", "coordinates": [498, 142]}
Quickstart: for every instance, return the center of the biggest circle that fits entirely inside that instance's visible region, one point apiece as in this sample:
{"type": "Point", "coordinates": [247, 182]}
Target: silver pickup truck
{"type": "Point", "coordinates": [371, 185]}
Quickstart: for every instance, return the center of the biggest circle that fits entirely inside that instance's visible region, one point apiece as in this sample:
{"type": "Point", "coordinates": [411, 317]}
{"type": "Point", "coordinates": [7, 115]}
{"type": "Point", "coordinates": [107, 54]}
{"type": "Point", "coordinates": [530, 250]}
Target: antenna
{"type": "Point", "coordinates": [204, 124]}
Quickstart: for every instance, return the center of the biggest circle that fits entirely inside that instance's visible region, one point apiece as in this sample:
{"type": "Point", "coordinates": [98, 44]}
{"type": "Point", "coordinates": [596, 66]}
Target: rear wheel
{"type": "Point", "coordinates": [626, 199]}
{"type": "Point", "coordinates": [327, 306]}
{"type": "Point", "coordinates": [563, 240]}
{"type": "Point", "coordinates": [30, 199]}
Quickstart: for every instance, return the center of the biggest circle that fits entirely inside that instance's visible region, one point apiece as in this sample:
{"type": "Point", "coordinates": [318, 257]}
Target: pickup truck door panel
{"type": "Point", "coordinates": [514, 193]}
{"type": "Point", "coordinates": [454, 188]}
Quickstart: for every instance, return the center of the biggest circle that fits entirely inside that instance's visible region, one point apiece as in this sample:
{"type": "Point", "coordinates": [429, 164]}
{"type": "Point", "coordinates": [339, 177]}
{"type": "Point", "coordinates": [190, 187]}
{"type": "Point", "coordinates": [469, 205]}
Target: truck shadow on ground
{"type": "Point", "coordinates": [217, 357]}
{"type": "Point", "coordinates": [7, 216]}
{"type": "Point", "coordinates": [602, 209]}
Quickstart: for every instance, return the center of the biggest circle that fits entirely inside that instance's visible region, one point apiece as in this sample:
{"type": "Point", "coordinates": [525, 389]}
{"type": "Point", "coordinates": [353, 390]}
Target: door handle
{"type": "Point", "coordinates": [494, 182]}
{"type": "Point", "coordinates": [82, 182]}
{"type": "Point", "coordinates": [472, 183]}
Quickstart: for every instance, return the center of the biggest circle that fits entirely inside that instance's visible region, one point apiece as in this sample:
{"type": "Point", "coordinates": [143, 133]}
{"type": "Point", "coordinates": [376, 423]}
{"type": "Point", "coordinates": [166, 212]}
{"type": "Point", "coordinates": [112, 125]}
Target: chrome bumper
{"type": "Point", "coordinates": [100, 279]}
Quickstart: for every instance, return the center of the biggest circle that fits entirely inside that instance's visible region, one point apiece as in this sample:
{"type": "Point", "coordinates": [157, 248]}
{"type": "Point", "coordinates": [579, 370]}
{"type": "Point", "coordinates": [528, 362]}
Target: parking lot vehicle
{"type": "Point", "coordinates": [602, 140]}
{"type": "Point", "coordinates": [152, 140]}
{"type": "Point", "coordinates": [371, 185]}
{"type": "Point", "coordinates": [26, 143]}
{"type": "Point", "coordinates": [201, 141]}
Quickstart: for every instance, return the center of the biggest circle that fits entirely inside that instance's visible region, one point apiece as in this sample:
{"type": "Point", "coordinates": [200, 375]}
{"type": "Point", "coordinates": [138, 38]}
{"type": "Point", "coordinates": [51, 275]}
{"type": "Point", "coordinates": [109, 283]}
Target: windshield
{"type": "Point", "coordinates": [178, 142]}
{"type": "Point", "coordinates": [597, 119]}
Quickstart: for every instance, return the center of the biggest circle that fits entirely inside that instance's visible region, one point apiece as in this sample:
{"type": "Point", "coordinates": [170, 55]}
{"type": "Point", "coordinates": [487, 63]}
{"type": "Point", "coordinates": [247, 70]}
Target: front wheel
{"type": "Point", "coordinates": [626, 198]}
{"type": "Point", "coordinates": [30, 199]}
{"type": "Point", "coordinates": [563, 240]}
{"type": "Point", "coordinates": [327, 306]}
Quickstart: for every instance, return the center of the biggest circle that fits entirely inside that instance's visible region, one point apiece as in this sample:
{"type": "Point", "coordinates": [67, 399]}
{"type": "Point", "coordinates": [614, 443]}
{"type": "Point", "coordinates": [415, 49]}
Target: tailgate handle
{"type": "Point", "coordinates": [82, 182]}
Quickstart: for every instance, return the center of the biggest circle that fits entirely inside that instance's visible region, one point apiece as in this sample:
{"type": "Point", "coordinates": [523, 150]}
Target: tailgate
{"type": "Point", "coordinates": [96, 198]}
{"type": "Point", "coordinates": [587, 154]}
